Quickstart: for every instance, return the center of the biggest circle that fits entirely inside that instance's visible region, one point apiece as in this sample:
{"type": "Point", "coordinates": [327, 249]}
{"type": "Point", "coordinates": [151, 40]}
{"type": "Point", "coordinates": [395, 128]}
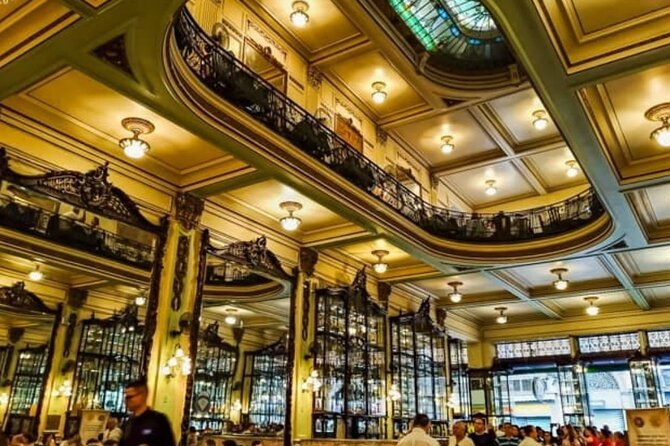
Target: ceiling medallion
{"type": "Point", "coordinates": [660, 112]}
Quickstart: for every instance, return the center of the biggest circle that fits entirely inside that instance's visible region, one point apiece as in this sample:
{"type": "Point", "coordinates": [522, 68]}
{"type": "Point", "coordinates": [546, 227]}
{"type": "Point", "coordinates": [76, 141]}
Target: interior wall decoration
{"type": "Point", "coordinates": [189, 210]}
{"type": "Point", "coordinates": [419, 370]}
{"type": "Point", "coordinates": [344, 127]}
{"type": "Point", "coordinates": [180, 270]}
{"type": "Point", "coordinates": [350, 358]}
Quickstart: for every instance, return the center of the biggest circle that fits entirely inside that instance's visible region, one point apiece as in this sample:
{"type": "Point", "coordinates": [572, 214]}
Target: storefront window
{"type": "Point", "coordinates": [610, 392]}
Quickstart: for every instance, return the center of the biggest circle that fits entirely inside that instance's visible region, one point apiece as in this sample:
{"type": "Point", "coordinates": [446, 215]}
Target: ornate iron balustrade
{"type": "Point", "coordinates": [66, 231]}
{"type": "Point", "coordinates": [233, 81]}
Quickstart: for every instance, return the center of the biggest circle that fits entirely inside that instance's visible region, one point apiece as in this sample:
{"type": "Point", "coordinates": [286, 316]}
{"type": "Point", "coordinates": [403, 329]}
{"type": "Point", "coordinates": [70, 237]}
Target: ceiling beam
{"type": "Point", "coordinates": [491, 125]}
{"type": "Point", "coordinates": [241, 177]}
{"type": "Point", "coordinates": [506, 282]}
{"type": "Point", "coordinates": [619, 272]}
{"type": "Point", "coordinates": [337, 236]}
{"type": "Point", "coordinates": [350, 47]}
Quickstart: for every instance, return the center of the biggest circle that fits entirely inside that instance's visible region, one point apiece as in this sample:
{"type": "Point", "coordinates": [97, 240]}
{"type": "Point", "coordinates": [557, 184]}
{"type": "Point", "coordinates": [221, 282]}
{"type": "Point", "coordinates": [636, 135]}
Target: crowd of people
{"type": "Point", "coordinates": [509, 434]}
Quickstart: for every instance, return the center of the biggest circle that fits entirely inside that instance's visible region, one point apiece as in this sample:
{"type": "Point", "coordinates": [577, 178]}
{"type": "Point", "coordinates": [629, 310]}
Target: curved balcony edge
{"type": "Point", "coordinates": [295, 140]}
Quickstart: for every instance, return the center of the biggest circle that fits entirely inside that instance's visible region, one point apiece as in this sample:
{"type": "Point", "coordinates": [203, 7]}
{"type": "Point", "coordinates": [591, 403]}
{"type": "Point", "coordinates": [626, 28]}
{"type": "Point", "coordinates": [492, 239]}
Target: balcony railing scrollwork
{"type": "Point", "coordinates": [233, 81]}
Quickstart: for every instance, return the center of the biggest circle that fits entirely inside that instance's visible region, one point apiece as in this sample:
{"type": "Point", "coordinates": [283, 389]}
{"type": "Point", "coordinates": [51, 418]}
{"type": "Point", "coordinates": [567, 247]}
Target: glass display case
{"type": "Point", "coordinates": [573, 394]}
{"type": "Point", "coordinates": [418, 369]}
{"type": "Point", "coordinates": [109, 356]}
{"type": "Point", "coordinates": [266, 375]}
{"type": "Point", "coordinates": [214, 371]}
{"type": "Point", "coordinates": [29, 380]}
{"type": "Point", "coordinates": [645, 386]}
{"type": "Point", "coordinates": [459, 399]}
{"type": "Point", "coordinates": [350, 358]}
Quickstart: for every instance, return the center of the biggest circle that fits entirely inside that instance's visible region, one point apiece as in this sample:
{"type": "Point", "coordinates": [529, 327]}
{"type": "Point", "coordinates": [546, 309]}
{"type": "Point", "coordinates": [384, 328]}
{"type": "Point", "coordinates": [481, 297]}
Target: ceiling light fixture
{"type": "Point", "coordinates": [447, 146]}
{"type": "Point", "coordinates": [378, 95]}
{"type": "Point", "coordinates": [455, 296]}
{"type": "Point", "coordinates": [141, 299]}
{"type": "Point", "coordinates": [299, 16]}
{"type": "Point", "coordinates": [540, 122]}
{"type": "Point", "coordinates": [290, 223]}
{"type": "Point", "coordinates": [572, 168]}
{"type": "Point", "coordinates": [380, 267]}
{"type": "Point", "coordinates": [592, 309]}
{"type": "Point", "coordinates": [490, 190]}
{"type": "Point", "coordinates": [560, 284]}
{"type": "Point", "coordinates": [36, 275]}
{"type": "Point", "coordinates": [230, 318]}
{"type": "Point", "coordinates": [502, 318]}
{"type": "Point", "coordinates": [135, 147]}
{"type": "Point", "coordinates": [660, 112]}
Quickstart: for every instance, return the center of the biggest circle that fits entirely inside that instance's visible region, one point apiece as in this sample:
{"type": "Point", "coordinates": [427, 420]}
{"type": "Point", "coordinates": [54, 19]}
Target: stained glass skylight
{"type": "Point", "coordinates": [463, 29]}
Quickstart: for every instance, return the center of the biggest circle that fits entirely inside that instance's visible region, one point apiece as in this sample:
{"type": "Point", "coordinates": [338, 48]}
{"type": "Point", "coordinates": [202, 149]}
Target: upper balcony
{"type": "Point", "coordinates": [197, 61]}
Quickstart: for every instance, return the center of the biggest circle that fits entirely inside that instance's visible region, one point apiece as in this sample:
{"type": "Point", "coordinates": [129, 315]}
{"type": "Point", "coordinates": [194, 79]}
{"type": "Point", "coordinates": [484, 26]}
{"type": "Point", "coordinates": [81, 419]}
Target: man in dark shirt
{"type": "Point", "coordinates": [481, 437]}
{"type": "Point", "coordinates": [146, 427]}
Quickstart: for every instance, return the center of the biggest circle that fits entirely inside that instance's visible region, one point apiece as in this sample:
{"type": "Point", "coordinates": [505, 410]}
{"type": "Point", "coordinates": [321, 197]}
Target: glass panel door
{"type": "Point", "coordinates": [573, 394]}
{"type": "Point", "coordinates": [645, 388]}
{"type": "Point", "coordinates": [534, 396]}
{"type": "Point", "coordinates": [501, 409]}
{"type": "Point", "coordinates": [610, 392]}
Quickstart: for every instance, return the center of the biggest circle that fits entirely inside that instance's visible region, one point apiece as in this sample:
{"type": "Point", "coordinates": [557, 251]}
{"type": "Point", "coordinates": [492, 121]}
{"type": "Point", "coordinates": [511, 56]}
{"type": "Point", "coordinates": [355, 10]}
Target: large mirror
{"type": "Point", "coordinates": [27, 328]}
{"type": "Point", "coordinates": [241, 365]}
{"type": "Point", "coordinates": [79, 271]}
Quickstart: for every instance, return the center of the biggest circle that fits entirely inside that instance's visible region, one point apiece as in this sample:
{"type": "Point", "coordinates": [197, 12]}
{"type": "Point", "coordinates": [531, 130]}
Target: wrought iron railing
{"type": "Point", "coordinates": [230, 79]}
{"type": "Point", "coordinates": [66, 231]}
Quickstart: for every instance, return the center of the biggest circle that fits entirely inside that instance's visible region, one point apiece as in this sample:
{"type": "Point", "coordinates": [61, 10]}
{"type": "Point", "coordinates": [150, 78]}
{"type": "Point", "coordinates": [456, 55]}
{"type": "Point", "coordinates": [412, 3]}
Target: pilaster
{"type": "Point", "coordinates": [178, 288]}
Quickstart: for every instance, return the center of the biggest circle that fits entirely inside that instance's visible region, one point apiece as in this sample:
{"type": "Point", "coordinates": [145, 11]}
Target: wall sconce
{"type": "Point", "coordinates": [455, 296]}
{"type": "Point", "coordinates": [312, 383]}
{"type": "Point", "coordinates": [299, 16]}
{"type": "Point", "coordinates": [378, 95]}
{"type": "Point", "coordinates": [178, 362]}
{"type": "Point", "coordinates": [380, 267]}
{"type": "Point", "coordinates": [290, 223]}
{"type": "Point", "coordinates": [502, 317]}
{"type": "Point", "coordinates": [560, 284]}
{"type": "Point", "coordinates": [540, 122]}
{"type": "Point", "coordinates": [236, 406]}
{"type": "Point", "coordinates": [660, 112]}
{"type": "Point", "coordinates": [64, 389]}
{"type": "Point", "coordinates": [394, 393]}
{"type": "Point", "coordinates": [135, 147]}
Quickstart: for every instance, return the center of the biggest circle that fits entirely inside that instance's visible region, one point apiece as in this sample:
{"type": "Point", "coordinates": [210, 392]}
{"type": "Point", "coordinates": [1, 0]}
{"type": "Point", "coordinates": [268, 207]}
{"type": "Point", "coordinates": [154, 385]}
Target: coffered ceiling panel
{"type": "Point", "coordinates": [579, 270]}
{"type": "Point", "coordinates": [576, 305]}
{"type": "Point", "coordinates": [358, 73]}
{"type": "Point", "coordinates": [653, 209]}
{"type": "Point", "coordinates": [25, 24]}
{"type": "Point", "coordinates": [327, 25]}
{"type": "Point", "coordinates": [363, 252]}
{"type": "Point", "coordinates": [74, 102]}
{"type": "Point", "coordinates": [658, 297]}
{"type": "Point", "coordinates": [646, 261]}
{"type": "Point", "coordinates": [469, 138]}
{"type": "Point", "coordinates": [473, 283]}
{"type": "Point", "coordinates": [515, 112]}
{"type": "Point", "coordinates": [588, 33]}
{"type": "Point", "coordinates": [516, 312]}
{"type": "Point", "coordinates": [471, 184]}
{"type": "Point", "coordinates": [264, 198]}
{"type": "Point", "coordinates": [550, 167]}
